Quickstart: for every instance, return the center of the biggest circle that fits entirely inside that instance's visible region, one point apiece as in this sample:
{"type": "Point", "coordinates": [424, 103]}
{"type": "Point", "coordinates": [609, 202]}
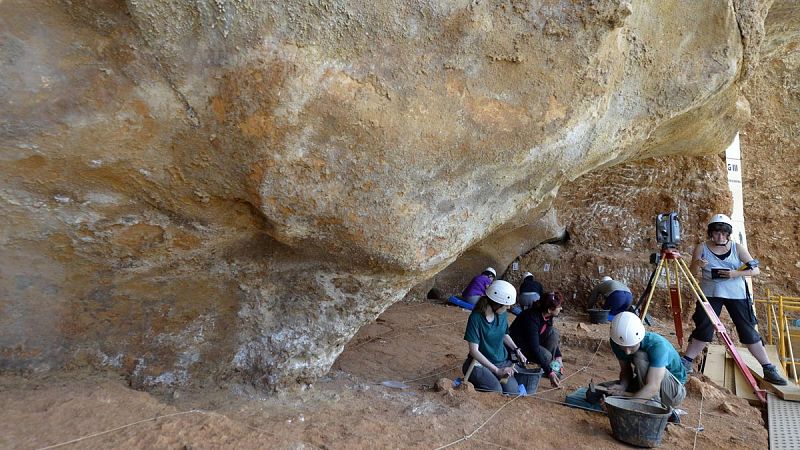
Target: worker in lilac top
{"type": "Point", "coordinates": [477, 287]}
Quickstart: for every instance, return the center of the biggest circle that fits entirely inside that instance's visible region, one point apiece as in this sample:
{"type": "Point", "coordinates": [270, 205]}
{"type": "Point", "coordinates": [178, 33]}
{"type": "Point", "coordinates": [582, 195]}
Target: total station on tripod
{"type": "Point", "coordinates": [668, 233]}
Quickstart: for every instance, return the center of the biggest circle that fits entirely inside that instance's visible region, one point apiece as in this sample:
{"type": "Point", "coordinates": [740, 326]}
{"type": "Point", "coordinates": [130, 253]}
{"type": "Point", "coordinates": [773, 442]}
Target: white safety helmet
{"type": "Point", "coordinates": [502, 292]}
{"type": "Point", "coordinates": [491, 269]}
{"type": "Point", "coordinates": [721, 218]}
{"type": "Point", "coordinates": [526, 275]}
{"type": "Point", "coordinates": [605, 278]}
{"type": "Point", "coordinates": [720, 222]}
{"type": "Point", "coordinates": [627, 329]}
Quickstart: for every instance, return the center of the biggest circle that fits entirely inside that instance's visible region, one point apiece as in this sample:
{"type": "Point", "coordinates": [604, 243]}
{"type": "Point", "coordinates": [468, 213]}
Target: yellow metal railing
{"type": "Point", "coordinates": [778, 322]}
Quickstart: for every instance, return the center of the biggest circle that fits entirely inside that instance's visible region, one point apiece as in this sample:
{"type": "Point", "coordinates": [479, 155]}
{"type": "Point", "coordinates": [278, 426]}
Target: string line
{"type": "Point", "coordinates": [191, 411]}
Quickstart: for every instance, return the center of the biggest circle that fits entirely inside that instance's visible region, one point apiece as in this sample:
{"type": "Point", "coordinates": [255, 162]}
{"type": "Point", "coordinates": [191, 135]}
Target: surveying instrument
{"type": "Point", "coordinates": [674, 269]}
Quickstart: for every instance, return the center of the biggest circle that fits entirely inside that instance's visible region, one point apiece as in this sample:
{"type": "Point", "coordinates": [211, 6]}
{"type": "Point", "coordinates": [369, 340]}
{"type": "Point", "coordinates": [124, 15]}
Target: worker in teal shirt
{"type": "Point", "coordinates": [488, 340]}
{"type": "Point", "coordinates": [650, 367]}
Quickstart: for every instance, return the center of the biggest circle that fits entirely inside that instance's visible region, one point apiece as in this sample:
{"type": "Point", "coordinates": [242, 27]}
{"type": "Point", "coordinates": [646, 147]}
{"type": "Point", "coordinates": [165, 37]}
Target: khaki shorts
{"type": "Point", "coordinates": [672, 392]}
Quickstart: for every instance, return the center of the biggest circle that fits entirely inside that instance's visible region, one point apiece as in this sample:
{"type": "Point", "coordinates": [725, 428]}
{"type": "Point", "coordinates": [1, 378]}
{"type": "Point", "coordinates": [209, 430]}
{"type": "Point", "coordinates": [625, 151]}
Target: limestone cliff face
{"type": "Point", "coordinates": [197, 190]}
{"type": "Point", "coordinates": [771, 143]}
{"type": "Point", "coordinates": [609, 218]}
{"type": "Point", "coordinates": [608, 214]}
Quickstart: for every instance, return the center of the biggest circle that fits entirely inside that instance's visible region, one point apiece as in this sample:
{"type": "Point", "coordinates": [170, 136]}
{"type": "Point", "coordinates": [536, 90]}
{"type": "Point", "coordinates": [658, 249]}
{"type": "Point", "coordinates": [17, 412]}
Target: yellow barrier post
{"type": "Point", "coordinates": [769, 318]}
{"type": "Point", "coordinates": [791, 351]}
{"type": "Point", "coordinates": [782, 348]}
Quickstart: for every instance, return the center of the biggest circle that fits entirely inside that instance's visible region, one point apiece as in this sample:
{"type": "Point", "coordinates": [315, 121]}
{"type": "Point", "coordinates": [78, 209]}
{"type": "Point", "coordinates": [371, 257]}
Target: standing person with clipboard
{"type": "Point", "coordinates": [723, 264]}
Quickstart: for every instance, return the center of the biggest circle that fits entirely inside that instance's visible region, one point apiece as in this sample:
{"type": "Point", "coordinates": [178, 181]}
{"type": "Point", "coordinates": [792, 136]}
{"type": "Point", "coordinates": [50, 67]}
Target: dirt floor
{"type": "Point", "coordinates": [414, 343]}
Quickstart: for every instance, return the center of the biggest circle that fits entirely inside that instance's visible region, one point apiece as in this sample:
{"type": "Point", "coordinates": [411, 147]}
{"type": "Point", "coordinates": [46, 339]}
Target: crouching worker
{"type": "Point", "coordinates": [538, 339]}
{"type": "Point", "coordinates": [616, 296]}
{"type": "Point", "coordinates": [477, 286]}
{"type": "Point", "coordinates": [530, 291]}
{"type": "Point", "coordinates": [487, 336]}
{"type": "Point", "coordinates": [650, 367]}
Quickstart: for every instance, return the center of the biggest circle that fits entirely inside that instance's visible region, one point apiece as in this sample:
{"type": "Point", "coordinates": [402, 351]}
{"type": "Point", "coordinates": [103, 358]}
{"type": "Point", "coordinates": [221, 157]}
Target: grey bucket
{"type": "Point", "coordinates": [598, 315]}
{"type": "Point", "coordinates": [637, 421]}
{"type": "Point", "coordinates": [529, 377]}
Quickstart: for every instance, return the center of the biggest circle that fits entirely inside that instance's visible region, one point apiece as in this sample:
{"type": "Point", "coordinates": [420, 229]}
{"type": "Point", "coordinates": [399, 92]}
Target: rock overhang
{"type": "Point", "coordinates": [363, 142]}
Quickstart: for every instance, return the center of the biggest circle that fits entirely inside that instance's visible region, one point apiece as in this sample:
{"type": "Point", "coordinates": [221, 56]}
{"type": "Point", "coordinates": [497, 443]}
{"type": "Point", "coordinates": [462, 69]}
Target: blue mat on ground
{"type": "Point", "coordinates": [458, 302]}
{"type": "Point", "coordinates": [577, 399]}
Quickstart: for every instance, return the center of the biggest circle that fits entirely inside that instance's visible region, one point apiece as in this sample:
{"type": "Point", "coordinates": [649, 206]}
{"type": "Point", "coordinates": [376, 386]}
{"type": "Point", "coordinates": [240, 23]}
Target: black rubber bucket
{"type": "Point", "coordinates": [598, 315]}
{"type": "Point", "coordinates": [528, 377]}
{"type": "Point", "coordinates": [637, 421]}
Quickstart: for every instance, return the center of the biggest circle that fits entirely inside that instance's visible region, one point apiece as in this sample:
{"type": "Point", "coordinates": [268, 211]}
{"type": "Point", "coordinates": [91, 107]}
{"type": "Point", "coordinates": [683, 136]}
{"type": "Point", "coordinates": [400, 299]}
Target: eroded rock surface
{"type": "Point", "coordinates": [772, 141]}
{"type": "Point", "coordinates": [197, 190]}
{"type": "Point", "coordinates": [608, 213]}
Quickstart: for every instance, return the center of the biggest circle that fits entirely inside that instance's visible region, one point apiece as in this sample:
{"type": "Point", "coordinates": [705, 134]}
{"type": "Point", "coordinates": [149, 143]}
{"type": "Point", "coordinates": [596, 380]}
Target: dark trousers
{"type": "Point", "coordinates": [484, 380]}
{"type": "Point", "coordinates": [472, 299]}
{"type": "Point", "coordinates": [618, 301]}
{"type": "Point", "coordinates": [549, 342]}
{"type": "Point", "coordinates": [548, 347]}
{"type": "Point", "coordinates": [741, 313]}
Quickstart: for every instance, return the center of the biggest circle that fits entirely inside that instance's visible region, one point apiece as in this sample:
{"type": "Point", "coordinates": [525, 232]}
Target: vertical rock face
{"type": "Point", "coordinates": [609, 215]}
{"type": "Point", "coordinates": [771, 151]}
{"type": "Point", "coordinates": [195, 190]}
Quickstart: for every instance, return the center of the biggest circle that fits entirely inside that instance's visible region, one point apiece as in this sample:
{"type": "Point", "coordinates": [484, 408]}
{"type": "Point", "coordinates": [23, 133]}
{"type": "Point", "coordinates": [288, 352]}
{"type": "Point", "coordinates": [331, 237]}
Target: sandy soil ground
{"type": "Point", "coordinates": [414, 343]}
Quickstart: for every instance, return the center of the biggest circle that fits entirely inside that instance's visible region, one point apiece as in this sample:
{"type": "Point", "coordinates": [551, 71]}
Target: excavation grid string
{"type": "Point", "coordinates": [432, 375]}
{"type": "Point", "coordinates": [405, 332]}
{"type": "Point", "coordinates": [699, 417]}
{"type": "Point", "coordinates": [152, 419]}
{"type": "Point", "coordinates": [191, 411]}
{"type": "Point", "coordinates": [481, 426]}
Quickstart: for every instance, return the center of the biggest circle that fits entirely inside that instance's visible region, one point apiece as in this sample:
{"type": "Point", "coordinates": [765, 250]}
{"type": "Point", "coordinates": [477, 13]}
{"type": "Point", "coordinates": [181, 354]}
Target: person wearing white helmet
{"type": "Point", "coordinates": [650, 367]}
{"type": "Point", "coordinates": [487, 338]}
{"type": "Point", "coordinates": [530, 291]}
{"type": "Point", "coordinates": [477, 286]}
{"type": "Point", "coordinates": [723, 264]}
{"type": "Point", "coordinates": [617, 297]}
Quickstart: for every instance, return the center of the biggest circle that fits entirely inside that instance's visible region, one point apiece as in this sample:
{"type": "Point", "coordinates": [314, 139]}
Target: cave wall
{"type": "Point", "coordinates": [609, 213]}
{"type": "Point", "coordinates": [205, 191]}
{"type": "Point", "coordinates": [610, 217]}
{"type": "Point", "coordinates": [771, 153]}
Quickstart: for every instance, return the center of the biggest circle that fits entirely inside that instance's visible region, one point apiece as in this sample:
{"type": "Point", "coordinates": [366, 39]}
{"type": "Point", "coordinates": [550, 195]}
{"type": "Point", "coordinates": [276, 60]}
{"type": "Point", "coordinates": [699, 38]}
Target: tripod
{"type": "Point", "coordinates": [673, 268]}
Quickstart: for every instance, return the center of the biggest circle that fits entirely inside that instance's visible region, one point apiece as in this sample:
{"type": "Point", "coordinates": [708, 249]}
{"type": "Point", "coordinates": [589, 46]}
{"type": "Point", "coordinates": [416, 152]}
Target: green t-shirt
{"type": "Point", "coordinates": [488, 336]}
{"type": "Point", "coordinates": [660, 352]}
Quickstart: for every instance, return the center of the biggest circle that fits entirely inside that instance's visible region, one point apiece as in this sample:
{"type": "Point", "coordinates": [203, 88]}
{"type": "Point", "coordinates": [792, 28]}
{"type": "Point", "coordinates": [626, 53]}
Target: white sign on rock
{"type": "Point", "coordinates": [733, 159]}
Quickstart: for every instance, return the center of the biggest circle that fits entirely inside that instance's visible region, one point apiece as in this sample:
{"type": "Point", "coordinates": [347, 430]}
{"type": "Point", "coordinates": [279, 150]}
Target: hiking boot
{"type": "Point", "coordinates": [688, 365]}
{"type": "Point", "coordinates": [771, 375]}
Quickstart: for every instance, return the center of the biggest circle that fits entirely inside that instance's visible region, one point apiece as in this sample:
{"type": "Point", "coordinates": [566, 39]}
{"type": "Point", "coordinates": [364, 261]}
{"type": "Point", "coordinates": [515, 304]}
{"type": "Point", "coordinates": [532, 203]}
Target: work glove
{"type": "Point", "coordinates": [555, 366]}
